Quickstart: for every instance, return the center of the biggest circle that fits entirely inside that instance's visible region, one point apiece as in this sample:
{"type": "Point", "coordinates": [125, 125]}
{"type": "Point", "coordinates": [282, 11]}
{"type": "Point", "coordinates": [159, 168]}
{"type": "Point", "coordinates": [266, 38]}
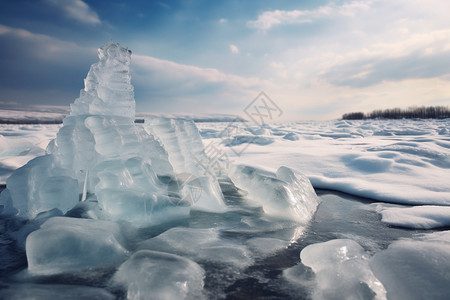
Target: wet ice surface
{"type": "Point", "coordinates": [241, 255]}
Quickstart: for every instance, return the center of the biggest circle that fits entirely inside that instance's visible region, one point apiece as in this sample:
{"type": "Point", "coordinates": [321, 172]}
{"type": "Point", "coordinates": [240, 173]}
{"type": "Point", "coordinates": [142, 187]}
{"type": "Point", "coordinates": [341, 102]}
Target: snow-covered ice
{"type": "Point", "coordinates": [417, 217]}
{"type": "Point", "coordinates": [397, 161]}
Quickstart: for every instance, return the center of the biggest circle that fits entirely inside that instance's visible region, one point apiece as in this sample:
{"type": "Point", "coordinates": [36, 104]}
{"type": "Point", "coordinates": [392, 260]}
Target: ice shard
{"type": "Point", "coordinates": [286, 194]}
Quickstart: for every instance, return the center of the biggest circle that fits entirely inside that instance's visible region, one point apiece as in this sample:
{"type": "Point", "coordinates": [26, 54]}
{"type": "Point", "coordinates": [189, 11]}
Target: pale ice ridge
{"type": "Point", "coordinates": [108, 90]}
{"type": "Point", "coordinates": [181, 139]}
{"type": "Point", "coordinates": [186, 153]}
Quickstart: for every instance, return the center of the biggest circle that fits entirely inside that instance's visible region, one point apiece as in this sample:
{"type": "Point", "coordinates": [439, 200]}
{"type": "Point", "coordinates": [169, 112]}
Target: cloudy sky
{"type": "Point", "coordinates": [316, 59]}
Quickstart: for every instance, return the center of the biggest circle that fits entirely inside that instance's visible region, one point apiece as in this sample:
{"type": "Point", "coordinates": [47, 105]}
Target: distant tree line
{"type": "Point", "coordinates": [423, 112]}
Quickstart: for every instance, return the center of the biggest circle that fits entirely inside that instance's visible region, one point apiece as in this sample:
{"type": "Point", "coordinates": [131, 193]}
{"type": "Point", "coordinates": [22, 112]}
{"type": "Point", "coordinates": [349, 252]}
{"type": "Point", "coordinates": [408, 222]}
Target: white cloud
{"type": "Point", "coordinates": [165, 5]}
{"type": "Point", "coordinates": [234, 49]}
{"type": "Point", "coordinates": [269, 19]}
{"type": "Point", "coordinates": [76, 10]}
{"type": "Point", "coordinates": [41, 68]}
{"type": "Point", "coordinates": [163, 85]}
{"type": "Point", "coordinates": [418, 56]}
{"type": "Point", "coordinates": [45, 47]}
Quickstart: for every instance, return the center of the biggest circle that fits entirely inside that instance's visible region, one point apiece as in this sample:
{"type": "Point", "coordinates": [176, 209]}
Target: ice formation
{"type": "Point", "coordinates": [157, 275]}
{"type": "Point", "coordinates": [102, 198]}
{"type": "Point", "coordinates": [186, 154]}
{"type": "Point", "coordinates": [100, 154]}
{"type": "Point", "coordinates": [342, 271]}
{"type": "Point", "coordinates": [288, 194]}
{"type": "Point", "coordinates": [65, 245]}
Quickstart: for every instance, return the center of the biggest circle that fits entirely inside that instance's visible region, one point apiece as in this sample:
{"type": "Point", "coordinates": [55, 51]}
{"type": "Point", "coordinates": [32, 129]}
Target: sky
{"type": "Point", "coordinates": [316, 59]}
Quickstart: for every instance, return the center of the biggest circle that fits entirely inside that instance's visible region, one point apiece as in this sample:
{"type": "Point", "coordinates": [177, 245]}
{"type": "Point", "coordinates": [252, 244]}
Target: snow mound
{"type": "Point", "coordinates": [418, 217]}
{"type": "Point", "coordinates": [291, 136]}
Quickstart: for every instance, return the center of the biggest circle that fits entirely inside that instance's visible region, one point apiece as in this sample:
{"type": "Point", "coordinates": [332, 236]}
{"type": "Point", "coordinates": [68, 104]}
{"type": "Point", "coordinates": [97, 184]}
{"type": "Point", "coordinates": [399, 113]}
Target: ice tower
{"type": "Point", "coordinates": [100, 155]}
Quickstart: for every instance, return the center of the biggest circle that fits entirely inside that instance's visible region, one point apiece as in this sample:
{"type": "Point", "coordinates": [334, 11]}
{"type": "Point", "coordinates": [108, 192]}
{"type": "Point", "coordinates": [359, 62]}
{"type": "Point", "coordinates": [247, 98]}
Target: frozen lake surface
{"type": "Point", "coordinates": [243, 254]}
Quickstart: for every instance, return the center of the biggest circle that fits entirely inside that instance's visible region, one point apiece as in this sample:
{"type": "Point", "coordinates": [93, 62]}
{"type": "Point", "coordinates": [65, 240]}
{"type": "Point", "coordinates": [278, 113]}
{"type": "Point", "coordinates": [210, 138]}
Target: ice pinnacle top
{"type": "Point", "coordinates": [107, 87]}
